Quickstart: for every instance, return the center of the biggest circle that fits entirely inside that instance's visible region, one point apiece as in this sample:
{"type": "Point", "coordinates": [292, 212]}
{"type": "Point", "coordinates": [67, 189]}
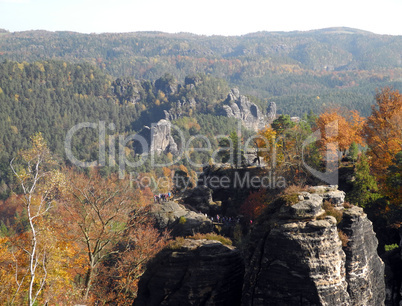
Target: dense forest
{"type": "Point", "coordinates": [53, 96]}
{"type": "Point", "coordinates": [298, 70]}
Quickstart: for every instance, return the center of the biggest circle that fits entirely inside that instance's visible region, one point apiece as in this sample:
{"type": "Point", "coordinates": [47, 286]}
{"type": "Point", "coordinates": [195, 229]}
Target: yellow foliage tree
{"type": "Point", "coordinates": [267, 145]}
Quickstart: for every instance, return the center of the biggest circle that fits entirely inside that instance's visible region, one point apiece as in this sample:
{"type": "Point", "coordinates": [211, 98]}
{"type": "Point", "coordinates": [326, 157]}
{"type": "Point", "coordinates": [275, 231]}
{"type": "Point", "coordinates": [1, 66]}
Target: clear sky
{"type": "Point", "coordinates": [221, 17]}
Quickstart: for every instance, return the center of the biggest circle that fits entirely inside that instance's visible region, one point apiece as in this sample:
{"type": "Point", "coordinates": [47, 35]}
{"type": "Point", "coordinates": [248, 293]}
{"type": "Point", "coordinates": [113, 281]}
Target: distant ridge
{"type": "Point", "coordinates": [300, 69]}
{"type": "Point", "coordinates": [342, 30]}
{"type": "Point", "coordinates": [330, 30]}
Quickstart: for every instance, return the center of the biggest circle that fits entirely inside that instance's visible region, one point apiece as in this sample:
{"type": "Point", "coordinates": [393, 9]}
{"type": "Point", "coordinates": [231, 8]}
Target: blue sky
{"type": "Point", "coordinates": [208, 17]}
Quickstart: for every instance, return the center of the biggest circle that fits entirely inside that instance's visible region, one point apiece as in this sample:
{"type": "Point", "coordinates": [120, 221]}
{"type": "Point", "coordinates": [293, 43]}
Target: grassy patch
{"type": "Point", "coordinates": [330, 210]}
{"type": "Point", "coordinates": [291, 194]}
{"type": "Point", "coordinates": [176, 244]}
{"type": "Point", "coordinates": [212, 236]}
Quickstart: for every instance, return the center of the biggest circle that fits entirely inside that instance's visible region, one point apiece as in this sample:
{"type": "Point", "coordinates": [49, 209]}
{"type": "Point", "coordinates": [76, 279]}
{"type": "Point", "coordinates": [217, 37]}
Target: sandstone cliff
{"type": "Point", "coordinates": [297, 258]}
{"type": "Point", "coordinates": [197, 272]}
{"type": "Point", "coordinates": [307, 248]}
{"type": "Point", "coordinates": [157, 139]}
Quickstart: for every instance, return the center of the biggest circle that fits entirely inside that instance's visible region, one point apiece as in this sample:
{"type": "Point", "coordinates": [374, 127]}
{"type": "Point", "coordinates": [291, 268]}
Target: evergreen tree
{"type": "Point", "coordinates": [365, 189]}
{"type": "Point", "coordinates": [353, 151]}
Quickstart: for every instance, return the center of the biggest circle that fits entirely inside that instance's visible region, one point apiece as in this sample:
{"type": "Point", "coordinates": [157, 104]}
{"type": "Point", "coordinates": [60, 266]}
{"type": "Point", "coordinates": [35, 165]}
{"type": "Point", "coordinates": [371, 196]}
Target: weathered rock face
{"type": "Point", "coordinates": [296, 257]}
{"type": "Point", "coordinates": [127, 91]}
{"type": "Point", "coordinates": [180, 220]}
{"type": "Point", "coordinates": [240, 107]}
{"type": "Point", "coordinates": [271, 112]}
{"type": "Point", "coordinates": [364, 269]}
{"type": "Point", "coordinates": [180, 108]}
{"type": "Point", "coordinates": [199, 272]}
{"type": "Point", "coordinates": [162, 140]}
{"type": "Point", "coordinates": [233, 190]}
{"type": "Point", "coordinates": [200, 198]}
{"type": "Point", "coordinates": [157, 139]}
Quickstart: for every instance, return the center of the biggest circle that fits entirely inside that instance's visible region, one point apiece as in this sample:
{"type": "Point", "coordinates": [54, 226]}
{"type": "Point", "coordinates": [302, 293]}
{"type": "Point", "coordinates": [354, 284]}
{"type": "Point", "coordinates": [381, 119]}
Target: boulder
{"type": "Point", "coordinates": [309, 207]}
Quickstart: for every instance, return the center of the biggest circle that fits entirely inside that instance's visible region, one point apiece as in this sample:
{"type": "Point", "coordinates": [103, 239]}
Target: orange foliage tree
{"type": "Point", "coordinates": [120, 274]}
{"type": "Point", "coordinates": [339, 129]}
{"type": "Point", "coordinates": [383, 130]}
{"type": "Point", "coordinates": [254, 204]}
{"type": "Point", "coordinates": [101, 213]}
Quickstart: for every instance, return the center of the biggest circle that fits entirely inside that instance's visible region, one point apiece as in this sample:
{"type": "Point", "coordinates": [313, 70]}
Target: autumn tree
{"type": "Point", "coordinates": [283, 148]}
{"type": "Point", "coordinates": [101, 211]}
{"type": "Point", "coordinates": [39, 184]}
{"type": "Point", "coordinates": [383, 131]}
{"type": "Point", "coordinates": [339, 130]}
{"type": "Point", "coordinates": [120, 273]}
{"type": "Point", "coordinates": [267, 146]}
{"type": "Point", "coordinates": [254, 204]}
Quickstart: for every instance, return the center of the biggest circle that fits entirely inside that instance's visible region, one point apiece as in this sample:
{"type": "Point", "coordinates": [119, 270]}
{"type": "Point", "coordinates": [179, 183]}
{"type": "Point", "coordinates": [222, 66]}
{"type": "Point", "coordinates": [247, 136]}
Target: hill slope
{"type": "Point", "coordinates": [338, 65]}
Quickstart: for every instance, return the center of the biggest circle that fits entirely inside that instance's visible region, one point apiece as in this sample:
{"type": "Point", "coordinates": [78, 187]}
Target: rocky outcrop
{"type": "Point", "coordinates": [231, 186]}
{"type": "Point", "coordinates": [162, 139]}
{"type": "Point", "coordinates": [197, 272]}
{"type": "Point", "coordinates": [200, 198]}
{"type": "Point", "coordinates": [180, 220]}
{"type": "Point", "coordinates": [307, 248]}
{"type": "Point", "coordinates": [180, 108]}
{"type": "Point", "coordinates": [240, 107]}
{"type": "Point", "coordinates": [271, 112]}
{"type": "Point", "coordinates": [127, 91]}
{"type": "Point", "coordinates": [157, 139]}
{"type": "Point", "coordinates": [298, 257]}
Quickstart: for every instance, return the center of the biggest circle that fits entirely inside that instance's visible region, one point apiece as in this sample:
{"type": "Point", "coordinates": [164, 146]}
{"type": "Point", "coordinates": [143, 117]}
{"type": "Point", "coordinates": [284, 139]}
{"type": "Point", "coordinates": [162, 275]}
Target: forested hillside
{"type": "Point", "coordinates": [51, 97]}
{"type": "Point", "coordinates": [298, 70]}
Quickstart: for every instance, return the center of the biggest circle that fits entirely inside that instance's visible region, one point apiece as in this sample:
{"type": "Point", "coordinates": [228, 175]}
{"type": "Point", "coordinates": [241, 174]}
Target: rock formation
{"type": "Point", "coordinates": [307, 248]}
{"type": "Point", "coordinates": [162, 139]}
{"type": "Point", "coordinates": [180, 220]}
{"type": "Point", "coordinates": [271, 112]}
{"type": "Point", "coordinates": [157, 139]}
{"type": "Point", "coordinates": [364, 269]}
{"type": "Point", "coordinates": [197, 272]}
{"type": "Point", "coordinates": [298, 258]}
{"type": "Point", "coordinates": [240, 107]}
{"type": "Point", "coordinates": [200, 198]}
